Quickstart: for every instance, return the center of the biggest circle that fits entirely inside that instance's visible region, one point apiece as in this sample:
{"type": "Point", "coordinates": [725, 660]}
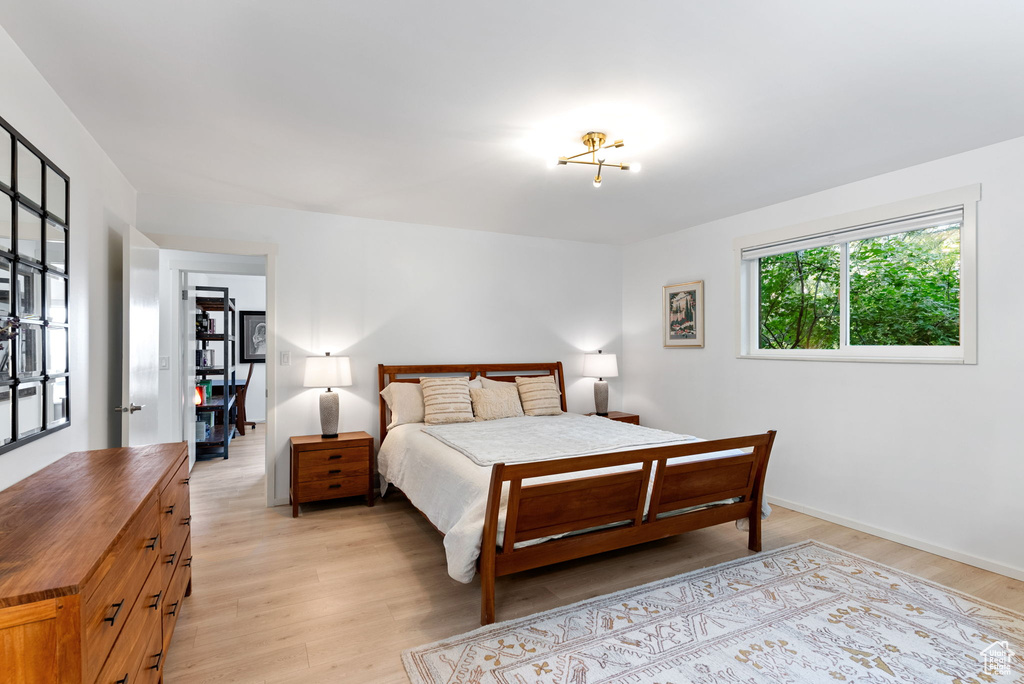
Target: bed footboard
{"type": "Point", "coordinates": [677, 493]}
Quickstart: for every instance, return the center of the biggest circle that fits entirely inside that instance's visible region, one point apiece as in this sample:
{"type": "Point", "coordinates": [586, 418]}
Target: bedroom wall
{"type": "Point", "coordinates": [925, 454]}
{"type": "Point", "coordinates": [102, 205]}
{"type": "Point", "coordinates": [384, 292]}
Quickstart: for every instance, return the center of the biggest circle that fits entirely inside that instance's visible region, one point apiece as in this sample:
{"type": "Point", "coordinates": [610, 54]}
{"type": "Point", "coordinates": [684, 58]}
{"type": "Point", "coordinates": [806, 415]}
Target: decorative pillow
{"type": "Point", "coordinates": [498, 402]}
{"type": "Point", "coordinates": [475, 383]}
{"type": "Point", "coordinates": [539, 395]}
{"type": "Point", "coordinates": [487, 383]}
{"type": "Point", "coordinates": [446, 400]}
{"type": "Point", "coordinates": [405, 399]}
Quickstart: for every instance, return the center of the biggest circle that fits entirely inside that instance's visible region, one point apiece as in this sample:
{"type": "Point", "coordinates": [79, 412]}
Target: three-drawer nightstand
{"type": "Point", "coordinates": [621, 416]}
{"type": "Point", "coordinates": [331, 468]}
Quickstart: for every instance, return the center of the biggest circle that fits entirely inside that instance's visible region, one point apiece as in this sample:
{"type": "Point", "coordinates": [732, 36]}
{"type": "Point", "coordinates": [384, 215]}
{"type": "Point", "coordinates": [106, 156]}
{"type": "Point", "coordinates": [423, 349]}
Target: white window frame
{"type": "Point", "coordinates": [747, 293]}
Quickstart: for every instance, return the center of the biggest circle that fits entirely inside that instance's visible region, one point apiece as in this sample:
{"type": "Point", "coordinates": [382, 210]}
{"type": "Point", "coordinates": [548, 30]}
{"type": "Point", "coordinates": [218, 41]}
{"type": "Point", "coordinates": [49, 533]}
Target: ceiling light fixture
{"type": "Point", "coordinates": [595, 144]}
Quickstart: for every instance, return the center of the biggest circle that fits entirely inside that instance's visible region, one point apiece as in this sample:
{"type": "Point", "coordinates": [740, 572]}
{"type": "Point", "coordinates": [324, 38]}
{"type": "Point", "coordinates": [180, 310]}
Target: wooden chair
{"type": "Point", "coordinates": [240, 421]}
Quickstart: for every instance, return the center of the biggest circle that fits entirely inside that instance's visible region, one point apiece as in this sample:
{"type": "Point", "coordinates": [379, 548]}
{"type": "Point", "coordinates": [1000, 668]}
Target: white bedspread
{"type": "Point", "coordinates": [535, 438]}
{"type": "Point", "coordinates": [451, 490]}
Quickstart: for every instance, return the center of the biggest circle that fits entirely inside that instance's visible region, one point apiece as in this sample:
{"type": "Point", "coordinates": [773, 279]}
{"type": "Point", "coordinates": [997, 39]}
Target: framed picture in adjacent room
{"type": "Point", "coordinates": [252, 326]}
{"type": "Point", "coordinates": [683, 314]}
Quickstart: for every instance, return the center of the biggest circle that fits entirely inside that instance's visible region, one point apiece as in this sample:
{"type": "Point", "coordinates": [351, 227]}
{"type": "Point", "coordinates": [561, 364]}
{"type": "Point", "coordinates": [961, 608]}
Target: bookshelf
{"type": "Point", "coordinates": [215, 357]}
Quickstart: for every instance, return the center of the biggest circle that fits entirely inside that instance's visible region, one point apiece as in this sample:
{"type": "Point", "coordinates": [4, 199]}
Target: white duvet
{"type": "Point", "coordinates": [451, 490]}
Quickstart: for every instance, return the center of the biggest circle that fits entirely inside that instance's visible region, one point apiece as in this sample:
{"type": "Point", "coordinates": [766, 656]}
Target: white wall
{"type": "Point", "coordinates": [384, 292]}
{"type": "Point", "coordinates": [250, 294]}
{"type": "Point", "coordinates": [929, 453]}
{"type": "Point", "coordinates": [102, 205]}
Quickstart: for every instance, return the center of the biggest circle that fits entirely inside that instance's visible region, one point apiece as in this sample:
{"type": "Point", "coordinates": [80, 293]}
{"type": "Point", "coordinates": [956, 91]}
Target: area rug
{"type": "Point", "coordinates": [804, 613]}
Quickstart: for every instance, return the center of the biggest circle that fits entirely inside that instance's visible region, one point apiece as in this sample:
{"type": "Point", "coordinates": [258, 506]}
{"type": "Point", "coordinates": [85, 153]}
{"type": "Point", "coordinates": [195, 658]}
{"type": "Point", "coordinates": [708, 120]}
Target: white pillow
{"type": "Point", "coordinates": [497, 402]}
{"type": "Point", "coordinates": [475, 383]}
{"type": "Point", "coordinates": [446, 400]}
{"type": "Point", "coordinates": [405, 399]}
{"type": "Point", "coordinates": [487, 383]}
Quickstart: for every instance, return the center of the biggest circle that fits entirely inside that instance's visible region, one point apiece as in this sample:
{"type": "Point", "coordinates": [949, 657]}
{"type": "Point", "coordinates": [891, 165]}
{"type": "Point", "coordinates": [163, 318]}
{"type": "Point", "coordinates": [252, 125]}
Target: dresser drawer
{"type": "Point", "coordinates": [174, 499]}
{"type": "Point", "coordinates": [135, 649]}
{"type": "Point", "coordinates": [177, 528]}
{"type": "Point", "coordinates": [347, 467]}
{"type": "Point", "coordinates": [176, 591]}
{"type": "Point", "coordinates": [114, 587]}
{"type": "Point", "coordinates": [332, 489]}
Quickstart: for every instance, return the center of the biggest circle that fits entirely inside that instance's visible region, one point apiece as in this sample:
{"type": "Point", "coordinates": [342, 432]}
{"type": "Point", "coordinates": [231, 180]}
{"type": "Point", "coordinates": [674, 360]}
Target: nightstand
{"type": "Point", "coordinates": [331, 468]}
{"type": "Point", "coordinates": [622, 417]}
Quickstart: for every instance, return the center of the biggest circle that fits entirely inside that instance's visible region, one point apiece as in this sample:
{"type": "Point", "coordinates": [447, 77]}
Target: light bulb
{"type": "Point", "coordinates": [597, 182]}
{"type": "Point", "coordinates": [635, 168]}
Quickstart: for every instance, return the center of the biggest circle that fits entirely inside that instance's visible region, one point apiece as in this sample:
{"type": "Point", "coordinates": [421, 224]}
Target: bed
{"type": "Point", "coordinates": [504, 518]}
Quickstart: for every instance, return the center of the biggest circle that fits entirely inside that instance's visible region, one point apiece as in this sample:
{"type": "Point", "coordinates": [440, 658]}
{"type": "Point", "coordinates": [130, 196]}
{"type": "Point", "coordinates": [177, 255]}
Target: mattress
{"type": "Point", "coordinates": [451, 490]}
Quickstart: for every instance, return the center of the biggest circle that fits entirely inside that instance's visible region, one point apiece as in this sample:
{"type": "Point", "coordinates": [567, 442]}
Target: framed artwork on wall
{"type": "Point", "coordinates": [253, 329]}
{"type": "Point", "coordinates": [683, 314]}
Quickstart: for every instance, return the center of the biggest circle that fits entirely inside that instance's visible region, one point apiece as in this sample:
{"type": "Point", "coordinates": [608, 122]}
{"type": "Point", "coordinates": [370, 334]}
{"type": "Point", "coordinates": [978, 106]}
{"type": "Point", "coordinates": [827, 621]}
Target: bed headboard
{"type": "Point", "coordinates": [504, 372]}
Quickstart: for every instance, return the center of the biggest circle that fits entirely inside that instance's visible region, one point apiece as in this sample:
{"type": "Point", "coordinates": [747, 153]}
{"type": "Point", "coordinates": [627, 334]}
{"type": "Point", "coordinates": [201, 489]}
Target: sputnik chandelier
{"type": "Point", "coordinates": [595, 148]}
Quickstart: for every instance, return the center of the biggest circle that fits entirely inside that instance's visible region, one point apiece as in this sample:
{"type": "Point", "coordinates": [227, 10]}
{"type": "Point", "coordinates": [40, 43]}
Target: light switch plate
{"type": "Point", "coordinates": [286, 358]}
{"type": "Point", "coordinates": [165, 362]}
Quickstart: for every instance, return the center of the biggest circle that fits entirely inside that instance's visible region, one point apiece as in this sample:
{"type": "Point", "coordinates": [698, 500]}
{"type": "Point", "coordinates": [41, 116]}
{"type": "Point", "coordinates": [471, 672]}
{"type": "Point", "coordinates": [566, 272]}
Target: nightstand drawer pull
{"type": "Point", "coordinates": [334, 457]}
{"type": "Point", "coordinates": [333, 472]}
{"type": "Point", "coordinates": [335, 486]}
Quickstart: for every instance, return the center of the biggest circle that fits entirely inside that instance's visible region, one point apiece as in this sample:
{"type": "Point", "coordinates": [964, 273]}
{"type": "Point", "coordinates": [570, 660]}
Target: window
{"type": "Point", "coordinates": [894, 283]}
{"type": "Point", "coordinates": [34, 337]}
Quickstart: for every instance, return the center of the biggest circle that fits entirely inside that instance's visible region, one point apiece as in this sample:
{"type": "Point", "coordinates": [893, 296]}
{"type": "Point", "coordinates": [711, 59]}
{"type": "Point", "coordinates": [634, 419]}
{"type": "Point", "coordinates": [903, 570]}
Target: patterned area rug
{"type": "Point", "coordinates": [804, 613]}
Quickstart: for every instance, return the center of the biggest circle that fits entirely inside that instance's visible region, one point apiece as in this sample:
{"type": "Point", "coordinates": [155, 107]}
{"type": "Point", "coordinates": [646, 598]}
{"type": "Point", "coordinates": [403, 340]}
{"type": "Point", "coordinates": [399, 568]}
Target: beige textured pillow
{"type": "Point", "coordinates": [446, 400]}
{"type": "Point", "coordinates": [499, 402]}
{"type": "Point", "coordinates": [487, 383]}
{"type": "Point", "coordinates": [405, 399]}
{"type": "Point", "coordinates": [539, 395]}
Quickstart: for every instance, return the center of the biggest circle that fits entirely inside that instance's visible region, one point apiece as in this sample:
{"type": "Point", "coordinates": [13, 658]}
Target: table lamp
{"type": "Point", "coordinates": [328, 371]}
{"type": "Point", "coordinates": [600, 366]}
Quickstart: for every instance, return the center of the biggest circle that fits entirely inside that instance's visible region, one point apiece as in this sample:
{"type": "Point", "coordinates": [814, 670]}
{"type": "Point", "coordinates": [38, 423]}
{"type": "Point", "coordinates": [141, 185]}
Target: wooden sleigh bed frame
{"type": "Point", "coordinates": [571, 507]}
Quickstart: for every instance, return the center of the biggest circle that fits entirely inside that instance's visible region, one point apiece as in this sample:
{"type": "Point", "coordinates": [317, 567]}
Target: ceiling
{"type": "Point", "coordinates": [444, 113]}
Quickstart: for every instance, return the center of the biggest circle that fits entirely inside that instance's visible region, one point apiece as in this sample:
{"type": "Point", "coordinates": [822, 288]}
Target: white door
{"type": "Point", "coordinates": [187, 361]}
{"type": "Point", "coordinates": [140, 325]}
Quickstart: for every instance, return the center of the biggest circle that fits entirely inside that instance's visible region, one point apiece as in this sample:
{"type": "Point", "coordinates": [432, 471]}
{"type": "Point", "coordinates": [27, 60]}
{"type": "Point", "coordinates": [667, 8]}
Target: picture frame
{"type": "Point", "coordinates": [682, 312]}
{"type": "Point", "coordinates": [252, 336]}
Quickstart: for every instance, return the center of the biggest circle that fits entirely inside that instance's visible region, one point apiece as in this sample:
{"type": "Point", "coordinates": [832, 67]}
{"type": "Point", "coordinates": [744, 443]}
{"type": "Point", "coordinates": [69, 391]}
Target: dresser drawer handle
{"type": "Point", "coordinates": [170, 561]}
{"type": "Point", "coordinates": [187, 562]}
{"type": "Point", "coordinates": [158, 656]}
{"type": "Point", "coordinates": [333, 472]}
{"type": "Point", "coordinates": [170, 510]}
{"type": "Point", "coordinates": [334, 486]}
{"type": "Point", "coordinates": [152, 542]}
{"type": "Point", "coordinates": [117, 611]}
{"type": "Point", "coordinates": [187, 521]}
{"type": "Point", "coordinates": [174, 609]}
{"type": "Point", "coordinates": [122, 680]}
{"type": "Point", "coordinates": [185, 481]}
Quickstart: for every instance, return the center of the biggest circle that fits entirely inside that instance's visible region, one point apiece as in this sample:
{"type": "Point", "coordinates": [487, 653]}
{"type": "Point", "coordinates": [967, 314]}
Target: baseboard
{"type": "Point", "coordinates": [976, 561]}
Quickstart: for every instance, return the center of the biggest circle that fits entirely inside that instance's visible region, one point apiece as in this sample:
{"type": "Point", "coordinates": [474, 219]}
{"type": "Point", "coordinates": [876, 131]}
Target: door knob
{"type": "Point", "coordinates": [120, 409]}
{"type": "Point", "coordinates": [132, 408]}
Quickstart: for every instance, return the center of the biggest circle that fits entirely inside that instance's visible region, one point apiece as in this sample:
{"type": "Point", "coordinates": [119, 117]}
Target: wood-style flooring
{"type": "Point", "coordinates": [336, 594]}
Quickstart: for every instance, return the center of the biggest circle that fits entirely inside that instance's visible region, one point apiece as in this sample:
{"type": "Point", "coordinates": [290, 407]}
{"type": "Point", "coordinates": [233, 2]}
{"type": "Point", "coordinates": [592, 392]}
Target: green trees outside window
{"type": "Point", "coordinates": [904, 291]}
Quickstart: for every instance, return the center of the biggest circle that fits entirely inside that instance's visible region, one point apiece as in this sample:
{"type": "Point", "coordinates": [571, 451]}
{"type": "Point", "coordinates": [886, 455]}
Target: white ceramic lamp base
{"type": "Point", "coordinates": [601, 397]}
{"type": "Point", "coordinates": [329, 404]}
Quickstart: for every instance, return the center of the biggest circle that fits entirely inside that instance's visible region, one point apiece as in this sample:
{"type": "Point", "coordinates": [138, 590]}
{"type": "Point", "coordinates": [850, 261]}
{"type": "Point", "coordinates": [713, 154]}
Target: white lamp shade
{"type": "Point", "coordinates": [328, 371]}
{"type": "Point", "coordinates": [600, 366]}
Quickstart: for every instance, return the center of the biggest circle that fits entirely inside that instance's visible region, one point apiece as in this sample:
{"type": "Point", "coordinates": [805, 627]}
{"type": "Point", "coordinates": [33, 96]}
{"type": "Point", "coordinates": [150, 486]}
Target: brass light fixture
{"type": "Point", "coordinates": [595, 143]}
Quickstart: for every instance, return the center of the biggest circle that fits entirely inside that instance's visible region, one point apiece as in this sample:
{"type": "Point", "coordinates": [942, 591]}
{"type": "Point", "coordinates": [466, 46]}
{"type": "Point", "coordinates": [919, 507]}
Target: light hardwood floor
{"type": "Point", "coordinates": [336, 594]}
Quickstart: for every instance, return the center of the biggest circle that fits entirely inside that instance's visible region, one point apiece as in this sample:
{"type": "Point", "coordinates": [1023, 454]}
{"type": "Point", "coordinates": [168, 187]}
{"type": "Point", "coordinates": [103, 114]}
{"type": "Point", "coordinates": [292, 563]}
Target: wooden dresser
{"type": "Point", "coordinates": [95, 560]}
